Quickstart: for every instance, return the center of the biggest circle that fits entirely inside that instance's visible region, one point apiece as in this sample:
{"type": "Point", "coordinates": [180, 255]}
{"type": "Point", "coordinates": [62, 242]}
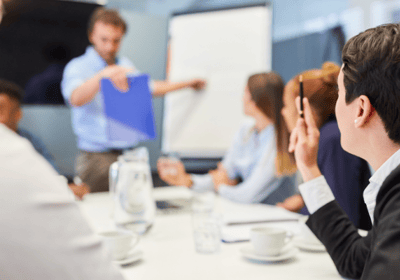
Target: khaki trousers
{"type": "Point", "coordinates": [93, 168]}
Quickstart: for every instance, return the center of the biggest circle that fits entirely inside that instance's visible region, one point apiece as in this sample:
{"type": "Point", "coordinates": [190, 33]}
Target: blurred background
{"type": "Point", "coordinates": [36, 36]}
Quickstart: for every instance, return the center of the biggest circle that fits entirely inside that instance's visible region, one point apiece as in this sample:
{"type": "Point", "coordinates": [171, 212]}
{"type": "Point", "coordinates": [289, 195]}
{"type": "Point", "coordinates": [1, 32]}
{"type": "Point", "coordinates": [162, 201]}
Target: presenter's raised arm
{"type": "Point", "coordinates": [88, 90]}
{"type": "Point", "coordinates": [163, 87]}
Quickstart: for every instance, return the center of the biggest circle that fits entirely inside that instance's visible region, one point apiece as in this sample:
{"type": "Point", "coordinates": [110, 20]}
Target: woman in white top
{"type": "Point", "coordinates": [257, 167]}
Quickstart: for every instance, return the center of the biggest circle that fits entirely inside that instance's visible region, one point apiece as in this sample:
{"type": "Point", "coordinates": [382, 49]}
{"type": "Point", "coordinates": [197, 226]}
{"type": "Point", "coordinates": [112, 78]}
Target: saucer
{"type": "Point", "coordinates": [131, 258]}
{"type": "Point", "coordinates": [248, 252]}
{"type": "Point", "coordinates": [302, 244]}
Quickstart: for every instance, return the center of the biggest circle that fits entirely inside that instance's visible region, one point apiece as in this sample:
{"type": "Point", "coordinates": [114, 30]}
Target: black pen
{"type": "Point", "coordinates": [301, 97]}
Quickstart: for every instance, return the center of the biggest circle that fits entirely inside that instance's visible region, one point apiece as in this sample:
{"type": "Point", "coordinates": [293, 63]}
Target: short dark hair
{"type": "Point", "coordinates": [12, 90]}
{"type": "Point", "coordinates": [108, 16]}
{"type": "Point", "coordinates": [371, 67]}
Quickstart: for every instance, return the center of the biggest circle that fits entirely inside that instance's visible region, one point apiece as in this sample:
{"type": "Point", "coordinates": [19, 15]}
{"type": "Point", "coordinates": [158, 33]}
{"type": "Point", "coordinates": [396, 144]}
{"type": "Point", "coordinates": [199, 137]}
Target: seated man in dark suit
{"type": "Point", "coordinates": [368, 115]}
{"type": "Point", "coordinates": [10, 114]}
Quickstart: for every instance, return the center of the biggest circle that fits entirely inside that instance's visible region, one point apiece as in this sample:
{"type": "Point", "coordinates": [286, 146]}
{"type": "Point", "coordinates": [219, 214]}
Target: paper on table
{"type": "Point", "coordinates": [130, 117]}
{"type": "Point", "coordinates": [257, 214]}
{"type": "Point", "coordinates": [172, 193]}
{"type": "Point", "coordinates": [238, 219]}
{"type": "Point", "coordinates": [241, 233]}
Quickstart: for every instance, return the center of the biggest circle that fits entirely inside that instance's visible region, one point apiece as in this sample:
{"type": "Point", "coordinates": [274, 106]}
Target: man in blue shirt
{"type": "Point", "coordinates": [11, 96]}
{"type": "Point", "coordinates": [81, 86]}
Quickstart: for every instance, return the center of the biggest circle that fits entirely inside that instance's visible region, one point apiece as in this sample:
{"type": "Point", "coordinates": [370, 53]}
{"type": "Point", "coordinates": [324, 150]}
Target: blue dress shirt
{"type": "Point", "coordinates": [89, 121]}
{"type": "Point", "coordinates": [251, 157]}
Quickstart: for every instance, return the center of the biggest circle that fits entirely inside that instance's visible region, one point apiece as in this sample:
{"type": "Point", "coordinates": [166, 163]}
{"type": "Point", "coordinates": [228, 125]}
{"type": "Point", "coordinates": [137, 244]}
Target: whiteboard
{"type": "Point", "coordinates": [224, 47]}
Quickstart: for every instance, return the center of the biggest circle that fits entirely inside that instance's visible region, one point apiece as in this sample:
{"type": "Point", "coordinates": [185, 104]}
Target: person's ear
{"type": "Point", "coordinates": [364, 111]}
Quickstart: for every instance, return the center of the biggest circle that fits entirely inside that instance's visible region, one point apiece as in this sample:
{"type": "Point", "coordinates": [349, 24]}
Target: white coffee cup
{"type": "Point", "coordinates": [269, 241]}
{"type": "Point", "coordinates": [119, 242]}
{"type": "Point", "coordinates": [307, 235]}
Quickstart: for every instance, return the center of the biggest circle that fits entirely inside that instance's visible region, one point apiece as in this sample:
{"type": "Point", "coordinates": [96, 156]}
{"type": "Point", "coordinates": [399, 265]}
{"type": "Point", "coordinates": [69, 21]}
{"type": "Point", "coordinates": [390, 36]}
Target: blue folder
{"type": "Point", "coordinates": [130, 117]}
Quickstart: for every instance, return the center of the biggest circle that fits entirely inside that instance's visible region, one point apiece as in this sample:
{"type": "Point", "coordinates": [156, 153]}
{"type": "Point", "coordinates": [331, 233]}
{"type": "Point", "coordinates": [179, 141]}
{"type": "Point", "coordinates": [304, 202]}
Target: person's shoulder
{"type": "Point", "coordinates": [77, 62]}
{"type": "Point", "coordinates": [388, 197]}
{"type": "Point", "coordinates": [392, 180]}
{"type": "Point", "coordinates": [15, 142]}
{"type": "Point", "coordinates": [33, 139]}
{"type": "Point", "coordinates": [10, 140]}
{"type": "Point", "coordinates": [23, 160]}
{"type": "Point", "coordinates": [246, 129]}
{"type": "Point", "coordinates": [82, 61]}
{"type": "Point", "coordinates": [25, 133]}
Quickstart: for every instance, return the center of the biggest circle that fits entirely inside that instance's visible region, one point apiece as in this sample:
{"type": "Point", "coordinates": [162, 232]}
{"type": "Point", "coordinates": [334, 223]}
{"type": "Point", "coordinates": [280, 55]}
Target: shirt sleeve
{"type": "Point", "coordinates": [72, 79]}
{"type": "Point", "coordinates": [348, 250]}
{"type": "Point", "coordinates": [316, 193]}
{"type": "Point", "coordinates": [202, 183]}
{"type": "Point", "coordinates": [230, 155]}
{"type": "Point", "coordinates": [205, 182]}
{"type": "Point", "coordinates": [261, 183]}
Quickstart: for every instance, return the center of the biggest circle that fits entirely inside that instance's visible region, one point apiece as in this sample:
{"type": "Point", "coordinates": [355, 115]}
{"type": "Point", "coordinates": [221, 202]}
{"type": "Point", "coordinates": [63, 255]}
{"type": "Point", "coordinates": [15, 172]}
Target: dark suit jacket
{"type": "Point", "coordinates": [346, 175]}
{"type": "Point", "coordinates": [376, 256]}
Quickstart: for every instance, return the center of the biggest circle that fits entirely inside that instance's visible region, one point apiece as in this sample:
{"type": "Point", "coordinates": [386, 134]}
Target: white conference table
{"type": "Point", "coordinates": [168, 248]}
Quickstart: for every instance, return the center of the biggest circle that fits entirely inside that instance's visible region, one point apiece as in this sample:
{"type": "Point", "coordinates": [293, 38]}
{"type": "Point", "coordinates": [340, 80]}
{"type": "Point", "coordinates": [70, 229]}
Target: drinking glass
{"type": "Point", "coordinates": [206, 230]}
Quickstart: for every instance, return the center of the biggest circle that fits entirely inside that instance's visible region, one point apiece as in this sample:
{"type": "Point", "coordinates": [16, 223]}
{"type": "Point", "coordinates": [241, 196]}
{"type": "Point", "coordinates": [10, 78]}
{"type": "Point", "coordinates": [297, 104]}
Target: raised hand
{"type": "Point", "coordinates": [198, 84]}
{"type": "Point", "coordinates": [118, 76]}
{"type": "Point", "coordinates": [220, 177]}
{"type": "Point", "coordinates": [304, 142]}
{"type": "Point", "coordinates": [79, 190]}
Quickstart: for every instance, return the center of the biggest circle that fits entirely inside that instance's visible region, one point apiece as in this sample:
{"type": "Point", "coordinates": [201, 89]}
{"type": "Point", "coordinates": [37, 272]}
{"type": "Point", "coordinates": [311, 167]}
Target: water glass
{"type": "Point", "coordinates": [206, 230]}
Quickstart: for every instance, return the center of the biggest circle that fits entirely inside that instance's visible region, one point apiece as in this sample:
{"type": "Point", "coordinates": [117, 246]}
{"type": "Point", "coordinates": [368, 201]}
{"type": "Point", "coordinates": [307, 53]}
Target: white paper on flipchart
{"type": "Point", "coordinates": [224, 48]}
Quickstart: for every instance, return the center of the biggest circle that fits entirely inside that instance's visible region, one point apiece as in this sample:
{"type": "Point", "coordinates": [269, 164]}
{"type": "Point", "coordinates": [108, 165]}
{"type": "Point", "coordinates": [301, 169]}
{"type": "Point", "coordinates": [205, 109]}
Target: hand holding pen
{"type": "Point", "coordinates": [304, 141]}
{"type": "Point", "coordinates": [301, 97]}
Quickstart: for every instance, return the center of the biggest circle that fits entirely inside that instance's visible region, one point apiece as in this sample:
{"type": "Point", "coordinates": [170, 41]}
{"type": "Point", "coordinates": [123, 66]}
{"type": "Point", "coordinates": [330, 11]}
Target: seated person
{"type": "Point", "coordinates": [367, 112]}
{"type": "Point", "coordinates": [347, 175]}
{"type": "Point", "coordinates": [258, 154]}
{"type": "Point", "coordinates": [43, 234]}
{"type": "Point", "coordinates": [11, 114]}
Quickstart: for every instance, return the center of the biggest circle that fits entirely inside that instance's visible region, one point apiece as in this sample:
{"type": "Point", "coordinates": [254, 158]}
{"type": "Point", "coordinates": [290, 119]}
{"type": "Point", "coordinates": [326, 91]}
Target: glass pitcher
{"type": "Point", "coordinates": [131, 188]}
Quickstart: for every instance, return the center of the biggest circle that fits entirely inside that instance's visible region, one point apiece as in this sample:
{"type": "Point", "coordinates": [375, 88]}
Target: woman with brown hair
{"type": "Point", "coordinates": [347, 175]}
{"type": "Point", "coordinates": [257, 167]}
